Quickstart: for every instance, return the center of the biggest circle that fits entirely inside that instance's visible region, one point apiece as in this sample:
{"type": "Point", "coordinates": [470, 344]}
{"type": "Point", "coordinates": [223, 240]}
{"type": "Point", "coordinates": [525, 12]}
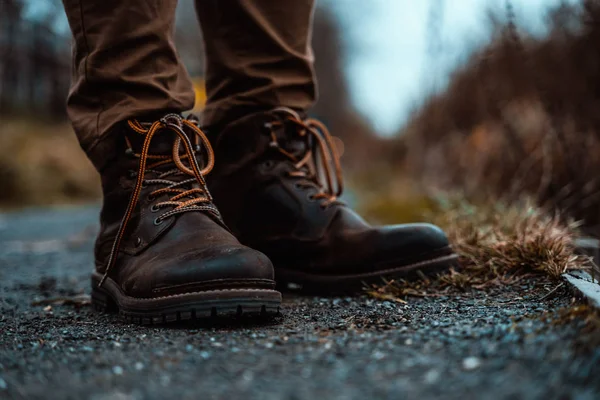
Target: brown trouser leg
{"type": "Point", "coordinates": [124, 65]}
{"type": "Point", "coordinates": [258, 56]}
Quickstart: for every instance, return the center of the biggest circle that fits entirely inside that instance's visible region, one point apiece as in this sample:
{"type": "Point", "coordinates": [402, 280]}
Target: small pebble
{"type": "Point", "coordinates": [165, 380]}
{"type": "Point", "coordinates": [471, 363]}
{"type": "Point", "coordinates": [432, 376]}
{"type": "Point", "coordinates": [247, 376]}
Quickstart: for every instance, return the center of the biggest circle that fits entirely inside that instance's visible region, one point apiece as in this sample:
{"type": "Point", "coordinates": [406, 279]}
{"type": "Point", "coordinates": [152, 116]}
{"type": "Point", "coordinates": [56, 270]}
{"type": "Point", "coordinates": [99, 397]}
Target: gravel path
{"type": "Point", "coordinates": [495, 345]}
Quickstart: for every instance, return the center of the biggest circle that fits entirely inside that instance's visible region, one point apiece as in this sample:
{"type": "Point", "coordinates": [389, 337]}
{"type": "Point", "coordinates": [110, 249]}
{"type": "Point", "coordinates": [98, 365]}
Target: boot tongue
{"type": "Point", "coordinates": [288, 134]}
{"type": "Point", "coordinates": [161, 143]}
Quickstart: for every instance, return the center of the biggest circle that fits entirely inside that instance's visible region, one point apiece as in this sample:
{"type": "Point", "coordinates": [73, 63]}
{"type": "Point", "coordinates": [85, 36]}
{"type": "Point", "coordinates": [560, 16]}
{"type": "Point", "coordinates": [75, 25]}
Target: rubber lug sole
{"type": "Point", "coordinates": [229, 303]}
{"type": "Point", "coordinates": [291, 280]}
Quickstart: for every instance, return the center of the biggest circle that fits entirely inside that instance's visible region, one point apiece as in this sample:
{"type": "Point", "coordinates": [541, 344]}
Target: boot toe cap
{"type": "Point", "coordinates": [217, 268]}
{"type": "Point", "coordinates": [414, 238]}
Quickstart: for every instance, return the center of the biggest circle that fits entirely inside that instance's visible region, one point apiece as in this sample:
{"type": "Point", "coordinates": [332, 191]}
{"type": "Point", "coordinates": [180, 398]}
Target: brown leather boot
{"type": "Point", "coordinates": [277, 185]}
{"type": "Point", "coordinates": [163, 253]}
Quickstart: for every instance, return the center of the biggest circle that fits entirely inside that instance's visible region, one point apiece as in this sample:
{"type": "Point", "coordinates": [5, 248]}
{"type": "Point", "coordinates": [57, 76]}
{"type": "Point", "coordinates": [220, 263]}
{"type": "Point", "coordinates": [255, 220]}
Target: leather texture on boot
{"type": "Point", "coordinates": [270, 195]}
{"type": "Point", "coordinates": [171, 246]}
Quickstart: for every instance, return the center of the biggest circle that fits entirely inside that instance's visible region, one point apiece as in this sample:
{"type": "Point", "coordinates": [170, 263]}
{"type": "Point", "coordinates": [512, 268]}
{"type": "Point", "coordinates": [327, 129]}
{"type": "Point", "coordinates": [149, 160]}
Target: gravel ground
{"type": "Point", "coordinates": [494, 345]}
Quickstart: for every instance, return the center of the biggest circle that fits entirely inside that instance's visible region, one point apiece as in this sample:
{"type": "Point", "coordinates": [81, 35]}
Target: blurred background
{"type": "Point", "coordinates": [489, 99]}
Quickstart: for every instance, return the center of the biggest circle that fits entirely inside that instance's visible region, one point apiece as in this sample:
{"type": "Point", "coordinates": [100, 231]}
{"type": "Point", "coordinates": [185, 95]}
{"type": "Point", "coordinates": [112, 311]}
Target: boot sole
{"type": "Point", "coordinates": [352, 283]}
{"type": "Point", "coordinates": [263, 303]}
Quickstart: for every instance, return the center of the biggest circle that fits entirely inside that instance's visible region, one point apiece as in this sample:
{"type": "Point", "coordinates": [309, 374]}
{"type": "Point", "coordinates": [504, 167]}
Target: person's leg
{"type": "Point", "coordinates": [163, 253]}
{"type": "Point", "coordinates": [258, 56]}
{"type": "Point", "coordinates": [277, 181]}
{"type": "Point", "coordinates": [124, 66]}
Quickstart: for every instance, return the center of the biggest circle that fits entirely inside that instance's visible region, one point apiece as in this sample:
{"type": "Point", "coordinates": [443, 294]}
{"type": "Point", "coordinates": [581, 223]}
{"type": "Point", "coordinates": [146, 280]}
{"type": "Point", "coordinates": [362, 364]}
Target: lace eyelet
{"type": "Point", "coordinates": [144, 184]}
{"type": "Point", "coordinates": [154, 208]}
{"type": "Point", "coordinates": [298, 186]}
{"type": "Point", "coordinates": [268, 164]}
{"type": "Point", "coordinates": [310, 197]}
{"type": "Point", "coordinates": [158, 221]}
{"type": "Point", "coordinates": [150, 197]}
{"type": "Point", "coordinates": [138, 241]}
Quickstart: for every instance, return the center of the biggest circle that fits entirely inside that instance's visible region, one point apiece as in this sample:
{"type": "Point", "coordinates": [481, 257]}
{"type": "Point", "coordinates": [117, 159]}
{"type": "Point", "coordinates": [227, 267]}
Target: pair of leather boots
{"type": "Point", "coordinates": [165, 252]}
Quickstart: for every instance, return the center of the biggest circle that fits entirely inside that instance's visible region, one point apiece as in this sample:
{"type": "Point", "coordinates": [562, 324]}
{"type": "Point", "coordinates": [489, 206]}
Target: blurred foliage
{"type": "Point", "coordinates": [43, 164]}
{"type": "Point", "coordinates": [519, 118]}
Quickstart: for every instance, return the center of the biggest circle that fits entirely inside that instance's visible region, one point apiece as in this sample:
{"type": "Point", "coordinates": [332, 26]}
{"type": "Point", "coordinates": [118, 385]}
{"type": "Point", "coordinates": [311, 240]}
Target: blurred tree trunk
{"type": "Point", "coordinates": [10, 17]}
{"type": "Point", "coordinates": [34, 61]}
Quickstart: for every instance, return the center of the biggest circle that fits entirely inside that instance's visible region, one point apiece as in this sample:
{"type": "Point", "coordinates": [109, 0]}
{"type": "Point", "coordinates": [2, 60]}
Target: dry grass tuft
{"type": "Point", "coordinates": [498, 244]}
